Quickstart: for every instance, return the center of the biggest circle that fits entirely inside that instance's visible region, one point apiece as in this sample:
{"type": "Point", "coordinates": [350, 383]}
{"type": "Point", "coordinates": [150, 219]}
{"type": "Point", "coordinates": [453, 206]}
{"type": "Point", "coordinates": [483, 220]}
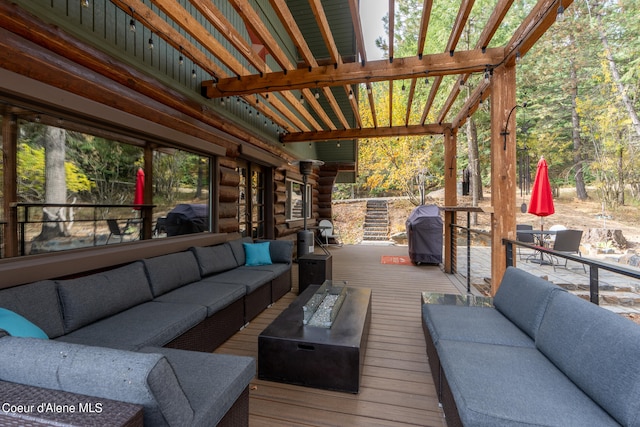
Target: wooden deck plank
{"type": "Point", "coordinates": [396, 387]}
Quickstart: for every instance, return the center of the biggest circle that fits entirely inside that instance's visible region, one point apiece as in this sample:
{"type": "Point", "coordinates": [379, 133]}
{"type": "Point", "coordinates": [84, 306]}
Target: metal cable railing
{"type": "Point", "coordinates": [30, 220]}
{"type": "Point", "coordinates": [594, 265]}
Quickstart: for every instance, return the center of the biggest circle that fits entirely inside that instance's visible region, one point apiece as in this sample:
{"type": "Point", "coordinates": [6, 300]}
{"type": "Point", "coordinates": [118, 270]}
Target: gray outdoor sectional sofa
{"type": "Point", "coordinates": [142, 333]}
{"type": "Point", "coordinates": [538, 356]}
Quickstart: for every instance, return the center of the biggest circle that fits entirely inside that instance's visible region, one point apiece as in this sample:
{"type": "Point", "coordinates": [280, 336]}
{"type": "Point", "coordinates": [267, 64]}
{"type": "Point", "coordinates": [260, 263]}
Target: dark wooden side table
{"type": "Point", "coordinates": [24, 405]}
{"type": "Point", "coordinates": [313, 269]}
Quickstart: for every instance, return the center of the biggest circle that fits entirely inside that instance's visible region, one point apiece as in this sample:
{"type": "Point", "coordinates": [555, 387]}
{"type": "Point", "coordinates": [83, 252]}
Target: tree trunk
{"type": "Point", "coordinates": [620, 195]}
{"type": "Point", "coordinates": [55, 184]}
{"type": "Point", "coordinates": [475, 185]}
{"type": "Point", "coordinates": [628, 104]}
{"type": "Point", "coordinates": [581, 189]}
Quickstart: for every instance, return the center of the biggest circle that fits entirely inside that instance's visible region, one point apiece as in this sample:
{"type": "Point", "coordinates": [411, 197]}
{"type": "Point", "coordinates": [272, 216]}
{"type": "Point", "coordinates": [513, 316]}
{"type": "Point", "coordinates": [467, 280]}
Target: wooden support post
{"type": "Point", "coordinates": [450, 198]}
{"type": "Point", "coordinates": [503, 168]}
{"type": "Point", "coordinates": [10, 186]}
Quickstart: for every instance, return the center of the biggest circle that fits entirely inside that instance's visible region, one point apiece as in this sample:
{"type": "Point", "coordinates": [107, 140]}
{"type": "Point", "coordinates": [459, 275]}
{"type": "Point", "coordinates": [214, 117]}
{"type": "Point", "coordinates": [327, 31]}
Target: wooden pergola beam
{"type": "Point", "coordinates": [353, 73]}
{"type": "Point", "coordinates": [381, 132]}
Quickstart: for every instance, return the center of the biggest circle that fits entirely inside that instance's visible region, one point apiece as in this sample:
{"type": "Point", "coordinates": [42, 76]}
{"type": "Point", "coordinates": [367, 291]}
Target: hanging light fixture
{"type": "Point", "coordinates": [84, 3]}
{"type": "Point", "coordinates": [350, 94]}
{"type": "Point", "coordinates": [301, 99]}
{"type": "Point", "coordinates": [317, 94]}
{"type": "Point", "coordinates": [132, 25]}
{"type": "Point", "coordinates": [518, 57]}
{"type": "Point", "coordinates": [193, 74]}
{"type": "Point", "coordinates": [560, 14]}
{"type": "Point", "coordinates": [150, 43]}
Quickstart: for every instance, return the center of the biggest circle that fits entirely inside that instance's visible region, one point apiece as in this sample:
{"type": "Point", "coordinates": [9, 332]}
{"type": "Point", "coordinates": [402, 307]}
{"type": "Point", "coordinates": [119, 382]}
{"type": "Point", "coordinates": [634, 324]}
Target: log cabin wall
{"type": "Point", "coordinates": [228, 209]}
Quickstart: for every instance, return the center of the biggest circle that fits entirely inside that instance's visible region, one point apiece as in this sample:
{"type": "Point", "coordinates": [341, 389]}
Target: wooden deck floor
{"type": "Point", "coordinates": [397, 389]}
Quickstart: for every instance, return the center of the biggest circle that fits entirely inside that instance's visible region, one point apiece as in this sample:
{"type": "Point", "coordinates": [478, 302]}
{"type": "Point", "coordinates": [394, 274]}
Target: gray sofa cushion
{"type": "Point", "coordinates": [275, 269]}
{"type": "Point", "coordinates": [213, 296]}
{"type": "Point", "coordinates": [598, 350]}
{"type": "Point", "coordinates": [90, 298]}
{"type": "Point", "coordinates": [473, 324]}
{"type": "Point", "coordinates": [238, 249]}
{"type": "Point", "coordinates": [148, 324]}
{"type": "Point", "coordinates": [281, 251]}
{"type": "Point", "coordinates": [212, 382]}
{"type": "Point", "coordinates": [248, 277]}
{"type": "Point", "coordinates": [497, 385]}
{"type": "Point", "coordinates": [214, 259]}
{"type": "Point", "coordinates": [38, 302]}
{"type": "Point", "coordinates": [168, 272]}
{"type": "Point", "coordinates": [523, 298]}
{"type": "Point", "coordinates": [140, 378]}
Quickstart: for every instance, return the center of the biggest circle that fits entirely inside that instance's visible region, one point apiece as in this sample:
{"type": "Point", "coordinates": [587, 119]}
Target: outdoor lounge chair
{"type": "Point", "coordinates": [568, 242]}
{"type": "Point", "coordinates": [115, 230]}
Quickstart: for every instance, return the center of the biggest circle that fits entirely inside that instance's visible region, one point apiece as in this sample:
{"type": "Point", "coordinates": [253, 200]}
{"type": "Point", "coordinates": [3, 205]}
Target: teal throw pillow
{"type": "Point", "coordinates": [18, 326]}
{"type": "Point", "coordinates": [257, 253]}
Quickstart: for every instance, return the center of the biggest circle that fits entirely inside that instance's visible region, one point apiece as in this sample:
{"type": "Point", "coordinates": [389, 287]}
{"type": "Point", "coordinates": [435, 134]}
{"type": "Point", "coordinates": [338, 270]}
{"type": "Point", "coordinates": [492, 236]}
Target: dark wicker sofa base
{"type": "Point", "coordinates": [213, 331]}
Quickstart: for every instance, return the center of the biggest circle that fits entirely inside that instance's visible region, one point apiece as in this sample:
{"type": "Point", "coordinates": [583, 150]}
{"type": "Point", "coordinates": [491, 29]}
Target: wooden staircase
{"type": "Point", "coordinates": [376, 221]}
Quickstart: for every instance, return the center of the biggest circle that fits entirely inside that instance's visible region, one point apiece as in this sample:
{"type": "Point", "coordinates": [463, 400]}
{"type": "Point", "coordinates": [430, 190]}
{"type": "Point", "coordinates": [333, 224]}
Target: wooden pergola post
{"type": "Point", "coordinates": [503, 168]}
{"type": "Point", "coordinates": [450, 197]}
{"type": "Point", "coordinates": [10, 186]}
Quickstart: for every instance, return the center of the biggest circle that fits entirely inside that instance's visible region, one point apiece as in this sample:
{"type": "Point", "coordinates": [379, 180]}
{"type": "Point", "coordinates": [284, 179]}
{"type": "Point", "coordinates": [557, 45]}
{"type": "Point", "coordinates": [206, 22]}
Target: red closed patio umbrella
{"type": "Point", "coordinates": [541, 202]}
{"type": "Point", "coordinates": [138, 197]}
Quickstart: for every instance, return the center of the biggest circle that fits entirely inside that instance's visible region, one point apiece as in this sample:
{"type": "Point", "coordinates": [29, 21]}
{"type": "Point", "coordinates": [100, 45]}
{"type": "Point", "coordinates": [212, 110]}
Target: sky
{"type": "Point", "coordinates": [371, 13]}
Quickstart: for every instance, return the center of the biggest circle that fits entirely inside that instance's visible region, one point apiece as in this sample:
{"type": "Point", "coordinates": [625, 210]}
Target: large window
{"type": "Point", "coordinates": [295, 209]}
{"type": "Point", "coordinates": [78, 187]}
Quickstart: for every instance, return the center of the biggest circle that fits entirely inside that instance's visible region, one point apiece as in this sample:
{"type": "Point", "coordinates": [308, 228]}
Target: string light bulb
{"type": "Point", "coordinates": [150, 43]}
{"type": "Point", "coordinates": [301, 99]}
{"type": "Point", "coordinates": [84, 3]}
{"type": "Point", "coordinates": [350, 94]}
{"type": "Point", "coordinates": [317, 94]}
{"type": "Point", "coordinates": [132, 25]}
{"type": "Point", "coordinates": [193, 74]}
{"type": "Point", "coordinates": [486, 76]}
{"type": "Point", "coordinates": [180, 60]}
{"type": "Point", "coordinates": [518, 57]}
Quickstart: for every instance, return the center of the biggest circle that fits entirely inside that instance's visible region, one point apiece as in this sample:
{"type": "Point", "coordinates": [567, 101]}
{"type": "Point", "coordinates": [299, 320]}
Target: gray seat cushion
{"type": "Point", "coordinates": [250, 278]}
{"type": "Point", "coordinates": [213, 296]}
{"type": "Point", "coordinates": [214, 259]}
{"type": "Point", "coordinates": [473, 324]}
{"type": "Point", "coordinates": [87, 299]}
{"type": "Point", "coordinates": [168, 272]}
{"type": "Point", "coordinates": [211, 382]}
{"type": "Point", "coordinates": [37, 302]}
{"type": "Point", "coordinates": [497, 385]}
{"type": "Point", "coordinates": [140, 378]}
{"type": "Point", "coordinates": [148, 324]}
{"type": "Point", "coordinates": [523, 298]}
{"type": "Point", "coordinates": [275, 269]}
{"type": "Point", "coordinates": [598, 350]}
